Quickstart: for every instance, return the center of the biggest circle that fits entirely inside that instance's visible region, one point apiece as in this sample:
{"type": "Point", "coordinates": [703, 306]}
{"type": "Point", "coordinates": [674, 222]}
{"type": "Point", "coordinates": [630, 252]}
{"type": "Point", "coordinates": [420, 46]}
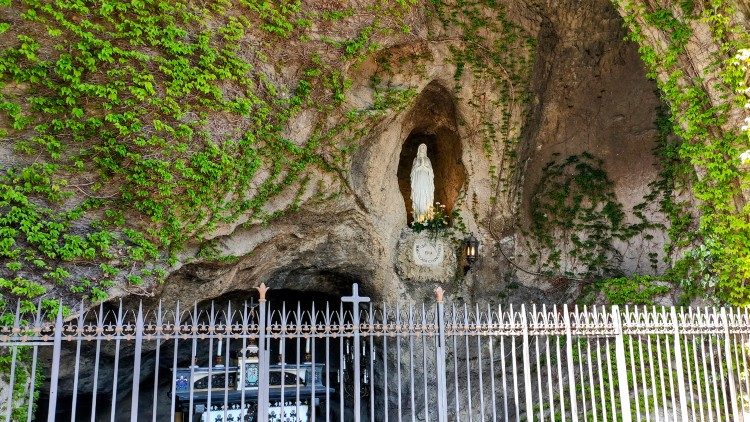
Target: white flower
{"type": "Point", "coordinates": [745, 157]}
{"type": "Point", "coordinates": [743, 54]}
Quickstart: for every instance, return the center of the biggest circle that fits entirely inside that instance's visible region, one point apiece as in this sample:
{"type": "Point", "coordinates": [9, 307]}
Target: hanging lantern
{"type": "Point", "coordinates": [471, 248]}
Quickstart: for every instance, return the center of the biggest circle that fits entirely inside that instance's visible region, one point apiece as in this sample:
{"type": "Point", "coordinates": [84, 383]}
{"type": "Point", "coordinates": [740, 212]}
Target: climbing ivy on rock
{"type": "Point", "coordinates": [492, 49]}
{"type": "Point", "coordinates": [705, 103]}
{"type": "Point", "coordinates": [575, 218]}
{"type": "Point", "coordinates": [137, 127]}
{"type": "Point", "coordinates": [570, 202]}
{"type": "Point", "coordinates": [140, 126]}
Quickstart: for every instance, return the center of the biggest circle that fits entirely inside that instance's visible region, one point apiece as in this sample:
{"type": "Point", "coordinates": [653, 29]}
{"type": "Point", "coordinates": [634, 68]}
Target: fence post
{"type": "Point", "coordinates": [355, 299]}
{"type": "Point", "coordinates": [263, 356]}
{"type": "Point", "coordinates": [137, 364]}
{"type": "Point", "coordinates": [622, 370]}
{"type": "Point", "coordinates": [442, 393]}
{"type": "Point", "coordinates": [16, 330]}
{"type": "Point", "coordinates": [527, 366]}
{"type": "Point", "coordinates": [569, 358]}
{"type": "Point", "coordinates": [728, 356]}
{"type": "Point", "coordinates": [118, 338]}
{"type": "Point", "coordinates": [55, 374]}
{"type": "Point", "coordinates": [679, 367]}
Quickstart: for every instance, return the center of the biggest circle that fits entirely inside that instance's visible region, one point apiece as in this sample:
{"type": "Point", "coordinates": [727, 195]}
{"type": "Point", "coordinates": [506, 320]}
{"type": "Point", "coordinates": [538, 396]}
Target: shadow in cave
{"type": "Point", "coordinates": [115, 385]}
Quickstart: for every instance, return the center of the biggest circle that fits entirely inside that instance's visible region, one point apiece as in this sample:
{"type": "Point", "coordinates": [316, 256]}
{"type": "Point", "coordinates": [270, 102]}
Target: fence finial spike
{"type": "Point", "coordinates": [59, 310]}
{"type": "Point", "coordinates": [262, 289]}
{"type": "Point", "coordinates": [439, 292]}
{"type": "Point", "coordinates": [38, 319]}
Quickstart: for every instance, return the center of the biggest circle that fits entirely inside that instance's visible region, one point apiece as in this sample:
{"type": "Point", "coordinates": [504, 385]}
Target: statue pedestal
{"type": "Point", "coordinates": [423, 258]}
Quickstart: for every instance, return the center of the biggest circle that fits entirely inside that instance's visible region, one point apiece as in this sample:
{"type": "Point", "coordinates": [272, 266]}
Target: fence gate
{"type": "Point", "coordinates": [356, 360]}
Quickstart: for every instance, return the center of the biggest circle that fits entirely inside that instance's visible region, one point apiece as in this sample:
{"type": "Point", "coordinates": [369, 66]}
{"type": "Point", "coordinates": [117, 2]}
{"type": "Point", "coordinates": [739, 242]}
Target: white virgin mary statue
{"type": "Point", "coordinates": [422, 185]}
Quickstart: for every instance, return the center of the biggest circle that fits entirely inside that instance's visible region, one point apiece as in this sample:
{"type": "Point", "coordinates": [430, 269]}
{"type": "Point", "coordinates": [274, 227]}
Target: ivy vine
{"type": "Point", "coordinates": [111, 102]}
{"type": "Point", "coordinates": [575, 217]}
{"type": "Point", "coordinates": [720, 260]}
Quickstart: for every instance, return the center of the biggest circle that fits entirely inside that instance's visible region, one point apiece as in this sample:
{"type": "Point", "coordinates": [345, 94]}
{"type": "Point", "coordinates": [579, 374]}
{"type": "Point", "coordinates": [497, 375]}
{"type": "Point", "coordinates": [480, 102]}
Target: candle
{"type": "Point", "coordinates": [219, 352]}
{"type": "Point", "coordinates": [307, 345]}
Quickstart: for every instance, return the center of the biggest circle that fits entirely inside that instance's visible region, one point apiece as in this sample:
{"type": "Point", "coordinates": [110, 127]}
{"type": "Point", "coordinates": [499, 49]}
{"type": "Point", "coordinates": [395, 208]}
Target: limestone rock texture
{"type": "Point", "coordinates": [548, 80]}
{"type": "Point", "coordinates": [590, 95]}
{"type": "Point", "coordinates": [587, 92]}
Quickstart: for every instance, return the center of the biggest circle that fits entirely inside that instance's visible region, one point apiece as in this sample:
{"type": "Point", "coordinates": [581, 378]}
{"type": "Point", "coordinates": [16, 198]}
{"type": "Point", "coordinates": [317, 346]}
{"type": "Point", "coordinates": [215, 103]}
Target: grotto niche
{"type": "Point", "coordinates": [434, 124]}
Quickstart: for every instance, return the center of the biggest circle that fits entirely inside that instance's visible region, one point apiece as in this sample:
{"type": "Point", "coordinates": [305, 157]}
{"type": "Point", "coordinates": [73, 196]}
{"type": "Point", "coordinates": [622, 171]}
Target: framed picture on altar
{"type": "Point", "coordinates": [251, 374]}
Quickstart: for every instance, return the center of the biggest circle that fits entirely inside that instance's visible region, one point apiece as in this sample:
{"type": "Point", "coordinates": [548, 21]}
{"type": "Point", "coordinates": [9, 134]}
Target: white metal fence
{"type": "Point", "coordinates": [356, 360]}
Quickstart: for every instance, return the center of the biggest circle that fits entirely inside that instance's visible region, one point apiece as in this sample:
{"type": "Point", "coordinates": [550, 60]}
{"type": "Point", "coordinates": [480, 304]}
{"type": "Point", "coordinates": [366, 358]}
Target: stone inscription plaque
{"type": "Point", "coordinates": [428, 253]}
{"type": "Point", "coordinates": [422, 258]}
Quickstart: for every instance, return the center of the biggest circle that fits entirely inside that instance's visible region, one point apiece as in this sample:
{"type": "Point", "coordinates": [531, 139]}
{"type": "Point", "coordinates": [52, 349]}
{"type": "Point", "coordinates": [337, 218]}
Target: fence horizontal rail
{"type": "Point", "coordinates": [358, 360]}
{"type": "Point", "coordinates": [583, 322]}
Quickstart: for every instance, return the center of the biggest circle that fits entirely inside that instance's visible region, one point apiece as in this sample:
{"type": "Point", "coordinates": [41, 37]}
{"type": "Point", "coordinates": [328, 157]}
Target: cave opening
{"type": "Point", "coordinates": [105, 374]}
{"type": "Point", "coordinates": [434, 123]}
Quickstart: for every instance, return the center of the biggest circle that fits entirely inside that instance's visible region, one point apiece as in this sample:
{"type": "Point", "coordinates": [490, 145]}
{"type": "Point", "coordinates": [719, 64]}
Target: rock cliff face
{"type": "Point", "coordinates": [591, 96]}
{"type": "Point", "coordinates": [699, 54]}
{"type": "Point", "coordinates": [498, 92]}
{"type": "Point", "coordinates": [503, 94]}
{"type": "Point", "coordinates": [586, 93]}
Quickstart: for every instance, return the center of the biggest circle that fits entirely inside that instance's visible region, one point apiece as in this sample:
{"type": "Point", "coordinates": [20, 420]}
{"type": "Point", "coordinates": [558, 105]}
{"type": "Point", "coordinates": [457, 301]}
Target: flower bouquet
{"type": "Point", "coordinates": [436, 220]}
